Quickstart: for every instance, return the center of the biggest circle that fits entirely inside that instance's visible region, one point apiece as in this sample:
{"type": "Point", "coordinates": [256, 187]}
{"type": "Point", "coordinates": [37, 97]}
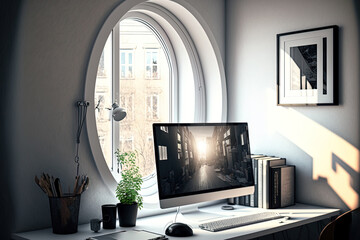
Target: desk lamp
{"type": "Point", "coordinates": [118, 112]}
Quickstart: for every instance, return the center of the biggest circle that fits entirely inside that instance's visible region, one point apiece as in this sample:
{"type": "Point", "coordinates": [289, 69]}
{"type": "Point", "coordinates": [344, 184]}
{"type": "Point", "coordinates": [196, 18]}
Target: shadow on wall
{"type": "Point", "coordinates": [9, 14]}
{"type": "Point", "coordinates": [312, 191]}
{"type": "Point", "coordinates": [339, 163]}
{"type": "Point", "coordinates": [334, 174]}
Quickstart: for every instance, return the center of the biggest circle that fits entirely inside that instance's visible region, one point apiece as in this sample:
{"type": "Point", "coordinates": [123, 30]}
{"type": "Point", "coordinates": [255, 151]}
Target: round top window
{"type": "Point", "coordinates": [133, 72]}
{"type": "Point", "coordinates": [160, 65]}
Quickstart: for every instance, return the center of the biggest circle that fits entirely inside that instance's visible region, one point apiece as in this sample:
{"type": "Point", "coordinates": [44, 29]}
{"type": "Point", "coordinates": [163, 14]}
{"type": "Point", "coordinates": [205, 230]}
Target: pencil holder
{"type": "Point", "coordinates": [65, 213]}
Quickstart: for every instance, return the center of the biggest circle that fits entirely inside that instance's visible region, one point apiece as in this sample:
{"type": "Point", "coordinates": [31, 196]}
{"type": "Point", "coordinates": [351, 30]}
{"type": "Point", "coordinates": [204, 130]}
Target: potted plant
{"type": "Point", "coordinates": [127, 191]}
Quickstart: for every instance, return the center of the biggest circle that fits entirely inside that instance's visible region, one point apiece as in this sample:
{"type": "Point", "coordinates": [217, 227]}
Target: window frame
{"type": "Point", "coordinates": [201, 56]}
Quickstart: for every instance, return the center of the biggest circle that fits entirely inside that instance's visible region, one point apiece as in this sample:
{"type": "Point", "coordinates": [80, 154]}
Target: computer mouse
{"type": "Point", "coordinates": [179, 230]}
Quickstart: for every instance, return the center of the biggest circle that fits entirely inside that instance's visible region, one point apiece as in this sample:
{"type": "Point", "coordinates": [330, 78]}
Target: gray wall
{"type": "Point", "coordinates": [51, 51]}
{"type": "Point", "coordinates": [323, 142]}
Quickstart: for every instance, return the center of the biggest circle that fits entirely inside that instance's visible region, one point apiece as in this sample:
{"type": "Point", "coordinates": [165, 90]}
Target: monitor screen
{"type": "Point", "coordinates": [201, 162]}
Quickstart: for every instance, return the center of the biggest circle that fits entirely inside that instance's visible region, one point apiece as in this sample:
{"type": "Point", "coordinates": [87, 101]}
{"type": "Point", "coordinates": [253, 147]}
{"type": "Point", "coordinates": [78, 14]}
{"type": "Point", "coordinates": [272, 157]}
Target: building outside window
{"type": "Point", "coordinates": [146, 97]}
{"type": "Point", "coordinates": [152, 107]}
{"type": "Point", "coordinates": [126, 63]}
{"type": "Point", "coordinates": [152, 64]}
{"type": "Point", "coordinates": [126, 144]}
{"type": "Point", "coordinates": [127, 102]}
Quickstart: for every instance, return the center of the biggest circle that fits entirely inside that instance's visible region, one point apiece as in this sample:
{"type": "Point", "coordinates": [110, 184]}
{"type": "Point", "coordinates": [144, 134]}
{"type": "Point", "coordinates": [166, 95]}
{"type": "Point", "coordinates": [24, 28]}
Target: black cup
{"type": "Point", "coordinates": [95, 224]}
{"type": "Point", "coordinates": [109, 216]}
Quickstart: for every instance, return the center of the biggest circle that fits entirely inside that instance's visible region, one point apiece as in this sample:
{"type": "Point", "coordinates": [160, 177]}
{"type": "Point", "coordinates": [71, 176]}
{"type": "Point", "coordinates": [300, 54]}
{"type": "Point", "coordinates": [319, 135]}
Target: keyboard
{"type": "Point", "coordinates": [238, 221]}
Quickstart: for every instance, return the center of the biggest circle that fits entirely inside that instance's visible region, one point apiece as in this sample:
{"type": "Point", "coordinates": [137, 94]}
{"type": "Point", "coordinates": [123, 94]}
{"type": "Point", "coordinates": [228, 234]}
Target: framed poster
{"type": "Point", "coordinates": [307, 67]}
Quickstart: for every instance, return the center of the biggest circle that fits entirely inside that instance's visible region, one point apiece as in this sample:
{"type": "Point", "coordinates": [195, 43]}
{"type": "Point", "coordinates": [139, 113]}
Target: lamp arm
{"type": "Point", "coordinates": [82, 110]}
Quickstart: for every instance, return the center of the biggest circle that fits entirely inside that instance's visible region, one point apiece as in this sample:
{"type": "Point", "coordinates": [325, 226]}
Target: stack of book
{"type": "Point", "coordinates": [274, 183]}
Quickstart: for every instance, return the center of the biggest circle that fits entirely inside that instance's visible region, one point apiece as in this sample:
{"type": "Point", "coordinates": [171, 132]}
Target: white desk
{"type": "Point", "coordinates": [300, 215]}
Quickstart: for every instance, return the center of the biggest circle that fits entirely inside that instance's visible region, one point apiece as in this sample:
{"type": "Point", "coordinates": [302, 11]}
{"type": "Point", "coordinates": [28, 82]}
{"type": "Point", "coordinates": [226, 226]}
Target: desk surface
{"type": "Point", "coordinates": [300, 214]}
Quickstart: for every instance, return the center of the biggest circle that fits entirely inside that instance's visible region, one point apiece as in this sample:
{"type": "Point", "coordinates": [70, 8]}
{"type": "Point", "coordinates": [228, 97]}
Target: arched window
{"type": "Point", "coordinates": [160, 69]}
{"type": "Point", "coordinates": [134, 71]}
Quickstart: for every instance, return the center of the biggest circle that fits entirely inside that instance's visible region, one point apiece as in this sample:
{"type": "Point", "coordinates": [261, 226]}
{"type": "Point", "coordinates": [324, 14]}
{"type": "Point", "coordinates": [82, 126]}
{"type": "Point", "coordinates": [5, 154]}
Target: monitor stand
{"type": "Point", "coordinates": [194, 214]}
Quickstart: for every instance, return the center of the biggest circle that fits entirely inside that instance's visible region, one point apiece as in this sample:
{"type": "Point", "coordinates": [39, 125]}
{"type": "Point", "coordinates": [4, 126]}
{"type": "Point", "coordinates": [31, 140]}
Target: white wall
{"type": "Point", "coordinates": [323, 142]}
{"type": "Point", "coordinates": [53, 44]}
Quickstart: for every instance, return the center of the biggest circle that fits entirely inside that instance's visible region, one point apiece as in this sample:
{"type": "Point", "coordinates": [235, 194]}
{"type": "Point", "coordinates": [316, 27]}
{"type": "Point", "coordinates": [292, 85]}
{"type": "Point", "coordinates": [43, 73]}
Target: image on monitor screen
{"type": "Point", "coordinates": [201, 158]}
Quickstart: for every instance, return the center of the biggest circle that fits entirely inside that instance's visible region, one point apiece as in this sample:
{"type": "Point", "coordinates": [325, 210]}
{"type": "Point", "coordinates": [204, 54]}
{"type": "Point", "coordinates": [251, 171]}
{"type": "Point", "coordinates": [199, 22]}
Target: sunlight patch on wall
{"type": "Point", "coordinates": [334, 158]}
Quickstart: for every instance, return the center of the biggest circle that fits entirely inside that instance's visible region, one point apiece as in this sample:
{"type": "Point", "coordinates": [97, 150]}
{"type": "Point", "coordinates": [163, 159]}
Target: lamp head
{"type": "Point", "coordinates": [118, 112]}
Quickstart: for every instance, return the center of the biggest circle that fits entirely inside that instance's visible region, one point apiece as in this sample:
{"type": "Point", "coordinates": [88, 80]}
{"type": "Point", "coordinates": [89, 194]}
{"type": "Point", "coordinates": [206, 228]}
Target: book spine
{"type": "Point", "coordinates": [247, 200]}
{"type": "Point", "coordinates": [231, 201]}
{"type": "Point", "coordinates": [242, 200]}
{"type": "Point", "coordinates": [260, 184]}
{"type": "Point", "coordinates": [251, 204]}
{"type": "Point", "coordinates": [265, 191]}
{"type": "Point", "coordinates": [275, 188]}
{"type": "Point", "coordinates": [271, 188]}
{"type": "Point", "coordinates": [256, 182]}
{"type": "Point", "coordinates": [287, 186]}
{"type": "Point", "coordinates": [266, 166]}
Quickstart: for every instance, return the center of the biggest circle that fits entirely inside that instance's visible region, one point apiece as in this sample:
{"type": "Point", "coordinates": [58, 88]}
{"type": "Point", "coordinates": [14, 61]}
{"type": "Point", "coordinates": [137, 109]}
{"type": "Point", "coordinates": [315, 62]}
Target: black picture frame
{"type": "Point", "coordinates": [307, 67]}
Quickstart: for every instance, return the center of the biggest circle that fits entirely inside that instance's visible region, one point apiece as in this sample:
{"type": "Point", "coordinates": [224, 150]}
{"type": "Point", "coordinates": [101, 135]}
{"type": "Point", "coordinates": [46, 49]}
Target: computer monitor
{"type": "Point", "coordinates": [201, 162]}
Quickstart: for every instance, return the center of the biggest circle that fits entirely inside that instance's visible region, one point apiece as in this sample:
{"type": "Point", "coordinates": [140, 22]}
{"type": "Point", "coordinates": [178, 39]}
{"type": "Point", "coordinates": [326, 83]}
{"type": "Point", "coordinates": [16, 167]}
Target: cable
{"type": "Point", "coordinates": [177, 212]}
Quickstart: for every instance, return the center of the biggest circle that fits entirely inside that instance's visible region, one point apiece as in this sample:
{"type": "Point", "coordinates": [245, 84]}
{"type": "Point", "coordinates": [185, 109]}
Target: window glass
{"type": "Point", "coordinates": [152, 66]}
{"type": "Point", "coordinates": [149, 96]}
{"type": "Point", "coordinates": [126, 144]}
{"type": "Point", "coordinates": [152, 108]}
{"type": "Point", "coordinates": [126, 63]}
{"type": "Point", "coordinates": [146, 99]}
{"type": "Point", "coordinates": [127, 102]}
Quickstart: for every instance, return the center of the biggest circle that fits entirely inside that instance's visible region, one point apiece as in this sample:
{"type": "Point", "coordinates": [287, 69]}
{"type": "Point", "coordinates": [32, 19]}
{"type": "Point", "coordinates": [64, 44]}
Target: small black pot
{"type": "Point", "coordinates": [127, 214]}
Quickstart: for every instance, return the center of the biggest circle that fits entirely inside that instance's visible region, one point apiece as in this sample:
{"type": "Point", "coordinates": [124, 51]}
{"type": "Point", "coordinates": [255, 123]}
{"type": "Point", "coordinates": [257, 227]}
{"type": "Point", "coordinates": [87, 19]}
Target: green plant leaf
{"type": "Point", "coordinates": [127, 190]}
